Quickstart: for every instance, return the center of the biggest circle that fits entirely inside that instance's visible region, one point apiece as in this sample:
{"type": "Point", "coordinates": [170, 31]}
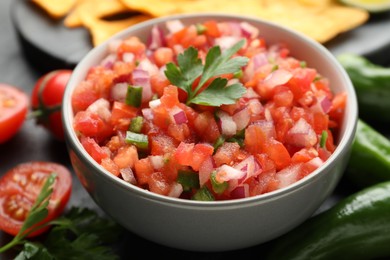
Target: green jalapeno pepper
{"type": "Point", "coordinates": [372, 85]}
{"type": "Point", "coordinates": [357, 227]}
{"type": "Point", "coordinates": [370, 157]}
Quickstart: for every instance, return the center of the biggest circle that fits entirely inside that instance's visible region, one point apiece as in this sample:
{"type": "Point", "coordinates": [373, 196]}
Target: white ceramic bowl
{"type": "Point", "coordinates": [220, 225]}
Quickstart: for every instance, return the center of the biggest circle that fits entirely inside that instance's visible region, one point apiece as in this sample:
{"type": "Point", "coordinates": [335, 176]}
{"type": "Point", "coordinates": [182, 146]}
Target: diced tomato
{"type": "Point", "coordinates": [170, 97]}
{"type": "Point", "coordinates": [256, 135]}
{"type": "Point", "coordinates": [158, 183]}
{"type": "Point", "coordinates": [158, 83]}
{"type": "Point", "coordinates": [201, 152]}
{"type": "Point", "coordinates": [131, 45]}
{"type": "Point", "coordinates": [226, 154]}
{"type": "Point", "coordinates": [92, 147]}
{"type": "Point", "coordinates": [163, 56]}
{"type": "Point", "coordinates": [301, 80]}
{"type": "Point", "coordinates": [83, 96]}
{"type": "Point", "coordinates": [206, 127]}
{"type": "Point", "coordinates": [126, 156]}
{"type": "Point", "coordinates": [212, 29]}
{"type": "Point", "coordinates": [304, 155]}
{"type": "Point", "coordinates": [161, 144]}
{"type": "Point", "coordinates": [90, 124]}
{"type": "Point", "coordinates": [143, 170]}
{"type": "Point", "coordinates": [338, 106]}
{"type": "Point", "coordinates": [121, 115]}
{"type": "Point", "coordinates": [278, 153]}
{"type": "Point", "coordinates": [110, 166]}
{"type": "Point", "coordinates": [161, 117]}
{"type": "Point", "coordinates": [183, 153]}
{"type": "Point", "coordinates": [179, 132]}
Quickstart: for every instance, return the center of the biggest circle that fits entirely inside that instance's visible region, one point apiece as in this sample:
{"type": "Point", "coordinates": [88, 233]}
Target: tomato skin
{"type": "Point", "coordinates": [13, 110]}
{"type": "Point", "coordinates": [46, 100]}
{"type": "Point", "coordinates": [19, 188]}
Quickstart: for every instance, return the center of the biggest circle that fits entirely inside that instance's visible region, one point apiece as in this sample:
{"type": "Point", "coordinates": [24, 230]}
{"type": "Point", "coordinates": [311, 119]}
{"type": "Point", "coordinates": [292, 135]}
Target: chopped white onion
{"type": "Point", "coordinates": [277, 78]}
{"type": "Point", "coordinates": [301, 134]}
{"type": "Point", "coordinates": [101, 107]}
{"type": "Point", "coordinates": [176, 190]}
{"type": "Point", "coordinates": [154, 103]}
{"type": "Point", "coordinates": [128, 175]}
{"type": "Point", "coordinates": [227, 173]}
{"type": "Point", "coordinates": [128, 57]}
{"type": "Point", "coordinates": [225, 42]}
{"type": "Point", "coordinates": [242, 118]}
{"type": "Point", "coordinates": [157, 161]}
{"type": "Point", "coordinates": [174, 26]}
{"type": "Point", "coordinates": [119, 91]}
{"type": "Point", "coordinates": [228, 126]}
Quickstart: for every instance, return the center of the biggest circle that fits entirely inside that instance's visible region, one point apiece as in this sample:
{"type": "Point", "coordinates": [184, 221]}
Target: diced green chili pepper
{"type": "Point", "coordinates": [134, 96]}
{"type": "Point", "coordinates": [188, 179]}
{"type": "Point", "coordinates": [218, 187]}
{"type": "Point", "coordinates": [203, 194]}
{"type": "Point", "coordinates": [136, 124]}
{"type": "Point", "coordinates": [324, 137]}
{"type": "Point", "coordinates": [139, 140]}
{"type": "Point", "coordinates": [369, 161]}
{"type": "Point", "coordinates": [200, 28]}
{"type": "Point", "coordinates": [220, 140]}
{"type": "Point", "coordinates": [238, 74]}
{"type": "Point", "coordinates": [357, 227]}
{"type": "Point", "coordinates": [372, 85]}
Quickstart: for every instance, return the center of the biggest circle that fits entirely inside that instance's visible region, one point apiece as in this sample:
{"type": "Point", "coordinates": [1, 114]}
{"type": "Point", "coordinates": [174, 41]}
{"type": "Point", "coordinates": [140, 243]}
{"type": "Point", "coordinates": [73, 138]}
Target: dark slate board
{"type": "Point", "coordinates": [49, 44]}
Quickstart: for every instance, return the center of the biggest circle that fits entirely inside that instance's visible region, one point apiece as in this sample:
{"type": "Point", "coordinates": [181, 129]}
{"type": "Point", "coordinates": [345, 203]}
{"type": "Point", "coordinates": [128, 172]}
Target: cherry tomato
{"type": "Point", "coordinates": [13, 110]}
{"type": "Point", "coordinates": [19, 188]}
{"type": "Point", "coordinates": [46, 100]}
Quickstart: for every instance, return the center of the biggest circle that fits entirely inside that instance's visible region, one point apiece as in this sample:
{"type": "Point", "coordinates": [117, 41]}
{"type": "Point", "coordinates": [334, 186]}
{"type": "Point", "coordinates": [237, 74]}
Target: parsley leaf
{"type": "Point", "coordinates": [190, 68]}
{"type": "Point", "coordinates": [218, 93]}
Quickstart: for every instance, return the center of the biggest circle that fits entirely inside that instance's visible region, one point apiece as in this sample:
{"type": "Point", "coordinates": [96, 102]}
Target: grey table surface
{"type": "Point", "coordinates": [33, 143]}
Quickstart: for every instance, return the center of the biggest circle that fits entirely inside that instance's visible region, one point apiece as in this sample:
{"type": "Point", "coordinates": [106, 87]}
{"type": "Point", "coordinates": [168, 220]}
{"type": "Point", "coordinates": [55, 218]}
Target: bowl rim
{"type": "Point", "coordinates": [350, 121]}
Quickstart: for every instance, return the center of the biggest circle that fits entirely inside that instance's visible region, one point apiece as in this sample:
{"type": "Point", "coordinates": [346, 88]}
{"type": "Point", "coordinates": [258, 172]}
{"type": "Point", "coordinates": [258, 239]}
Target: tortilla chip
{"type": "Point", "coordinates": [96, 8]}
{"type": "Point", "coordinates": [321, 20]}
{"type": "Point", "coordinates": [101, 30]}
{"type": "Point", "coordinates": [55, 8]}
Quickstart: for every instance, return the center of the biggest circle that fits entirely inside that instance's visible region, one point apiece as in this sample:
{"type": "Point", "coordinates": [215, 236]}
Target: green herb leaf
{"type": "Point", "coordinates": [190, 68]}
{"type": "Point", "coordinates": [218, 93]}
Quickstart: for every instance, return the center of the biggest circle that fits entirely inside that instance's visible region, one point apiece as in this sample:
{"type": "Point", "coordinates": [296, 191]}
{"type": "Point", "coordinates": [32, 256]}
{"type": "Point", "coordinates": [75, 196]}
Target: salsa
{"type": "Point", "coordinates": [206, 111]}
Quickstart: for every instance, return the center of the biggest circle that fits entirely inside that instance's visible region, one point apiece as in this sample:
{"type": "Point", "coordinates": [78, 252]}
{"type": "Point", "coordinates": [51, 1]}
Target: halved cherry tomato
{"type": "Point", "coordinates": [46, 100]}
{"type": "Point", "coordinates": [19, 188]}
{"type": "Point", "coordinates": [13, 110]}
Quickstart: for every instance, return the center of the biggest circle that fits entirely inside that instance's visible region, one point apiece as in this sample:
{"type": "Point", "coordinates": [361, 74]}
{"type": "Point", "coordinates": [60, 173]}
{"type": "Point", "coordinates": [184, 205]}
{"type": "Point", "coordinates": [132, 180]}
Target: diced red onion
{"type": "Point", "coordinates": [178, 115]}
{"type": "Point", "coordinates": [176, 190]}
{"type": "Point", "coordinates": [225, 42]}
{"type": "Point", "coordinates": [277, 78]}
{"type": "Point", "coordinates": [147, 113]}
{"type": "Point", "coordinates": [259, 60]}
{"type": "Point", "coordinates": [240, 192]}
{"type": "Point", "coordinates": [205, 170]}
{"type": "Point", "coordinates": [255, 107]}
{"type": "Point", "coordinates": [113, 45]}
{"type": "Point", "coordinates": [228, 126]}
{"type": "Point", "coordinates": [227, 173]}
{"type": "Point", "coordinates": [119, 91]}
{"type": "Point", "coordinates": [289, 175]}
{"type": "Point", "coordinates": [249, 166]}
{"type": "Point", "coordinates": [141, 78]}
{"type": "Point", "coordinates": [108, 61]}
{"type": "Point", "coordinates": [235, 29]}
{"type": "Point", "coordinates": [301, 134]}
{"type": "Point", "coordinates": [128, 175]}
{"type": "Point", "coordinates": [156, 39]}
{"type": "Point", "coordinates": [174, 26]}
{"type": "Point", "coordinates": [101, 107]}
{"type": "Point", "coordinates": [250, 94]}
{"type": "Point", "coordinates": [242, 118]}
{"type": "Point", "coordinates": [249, 30]}
{"type": "Point", "coordinates": [147, 65]}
